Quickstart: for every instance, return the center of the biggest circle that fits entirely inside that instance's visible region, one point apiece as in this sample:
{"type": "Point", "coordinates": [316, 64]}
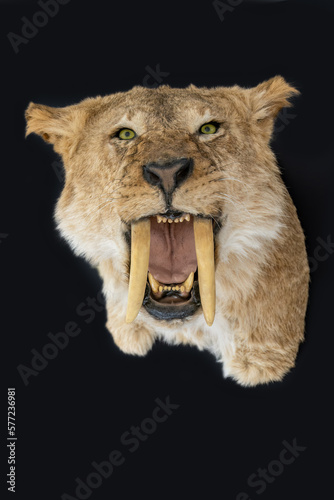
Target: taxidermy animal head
{"type": "Point", "coordinates": [175, 195]}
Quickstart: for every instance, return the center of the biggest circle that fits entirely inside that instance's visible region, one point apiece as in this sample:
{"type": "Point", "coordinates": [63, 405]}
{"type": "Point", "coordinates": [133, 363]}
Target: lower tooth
{"type": "Point", "coordinates": [188, 284]}
{"type": "Point", "coordinates": [154, 283]}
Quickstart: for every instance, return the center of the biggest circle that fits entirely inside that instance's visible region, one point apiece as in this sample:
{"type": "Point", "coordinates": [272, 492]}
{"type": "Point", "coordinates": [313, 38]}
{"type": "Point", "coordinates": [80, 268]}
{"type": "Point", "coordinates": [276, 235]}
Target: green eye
{"type": "Point", "coordinates": [208, 128]}
{"type": "Point", "coordinates": [126, 134]}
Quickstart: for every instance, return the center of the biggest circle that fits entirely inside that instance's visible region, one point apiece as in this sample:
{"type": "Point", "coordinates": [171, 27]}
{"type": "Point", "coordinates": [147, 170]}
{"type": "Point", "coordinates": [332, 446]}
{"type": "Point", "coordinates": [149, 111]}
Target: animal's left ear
{"type": "Point", "coordinates": [268, 98]}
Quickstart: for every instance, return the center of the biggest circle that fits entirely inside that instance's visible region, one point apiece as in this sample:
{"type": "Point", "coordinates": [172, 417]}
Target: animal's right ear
{"type": "Point", "coordinates": [53, 124]}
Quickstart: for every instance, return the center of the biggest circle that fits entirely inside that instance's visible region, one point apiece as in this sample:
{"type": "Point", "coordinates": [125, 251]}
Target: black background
{"type": "Point", "coordinates": [74, 411]}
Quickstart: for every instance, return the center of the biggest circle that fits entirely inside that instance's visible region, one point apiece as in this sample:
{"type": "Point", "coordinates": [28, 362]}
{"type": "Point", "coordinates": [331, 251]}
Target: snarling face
{"type": "Point", "coordinates": [166, 184]}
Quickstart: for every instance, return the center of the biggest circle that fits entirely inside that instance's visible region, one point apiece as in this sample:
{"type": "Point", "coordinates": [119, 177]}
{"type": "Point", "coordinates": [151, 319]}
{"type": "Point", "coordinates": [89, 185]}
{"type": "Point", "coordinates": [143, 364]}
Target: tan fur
{"type": "Point", "coordinates": [262, 272]}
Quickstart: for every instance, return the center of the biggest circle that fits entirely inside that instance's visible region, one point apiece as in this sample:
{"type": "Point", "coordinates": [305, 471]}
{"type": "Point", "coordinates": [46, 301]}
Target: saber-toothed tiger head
{"type": "Point", "coordinates": [153, 179]}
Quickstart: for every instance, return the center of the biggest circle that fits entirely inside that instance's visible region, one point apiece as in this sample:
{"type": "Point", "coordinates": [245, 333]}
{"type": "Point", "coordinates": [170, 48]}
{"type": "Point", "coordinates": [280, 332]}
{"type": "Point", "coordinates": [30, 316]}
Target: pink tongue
{"type": "Point", "coordinates": [172, 251]}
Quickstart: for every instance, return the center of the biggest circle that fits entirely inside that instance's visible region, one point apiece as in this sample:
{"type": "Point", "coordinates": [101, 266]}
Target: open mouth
{"type": "Point", "coordinates": [172, 271]}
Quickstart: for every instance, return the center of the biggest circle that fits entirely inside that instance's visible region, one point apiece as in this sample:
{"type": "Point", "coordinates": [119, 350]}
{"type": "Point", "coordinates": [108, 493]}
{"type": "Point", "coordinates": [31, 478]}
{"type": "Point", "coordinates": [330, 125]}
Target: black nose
{"type": "Point", "coordinates": [168, 176]}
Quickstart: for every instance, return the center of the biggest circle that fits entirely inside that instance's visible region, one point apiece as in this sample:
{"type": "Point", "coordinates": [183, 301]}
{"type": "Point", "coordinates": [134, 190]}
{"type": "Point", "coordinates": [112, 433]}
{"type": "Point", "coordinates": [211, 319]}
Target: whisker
{"type": "Point", "coordinates": [236, 204]}
{"type": "Point", "coordinates": [220, 167]}
{"type": "Point", "coordinates": [104, 204]}
{"type": "Point", "coordinates": [216, 221]}
{"type": "Point", "coordinates": [100, 208]}
{"type": "Point", "coordinates": [92, 198]}
{"type": "Point", "coordinates": [232, 179]}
